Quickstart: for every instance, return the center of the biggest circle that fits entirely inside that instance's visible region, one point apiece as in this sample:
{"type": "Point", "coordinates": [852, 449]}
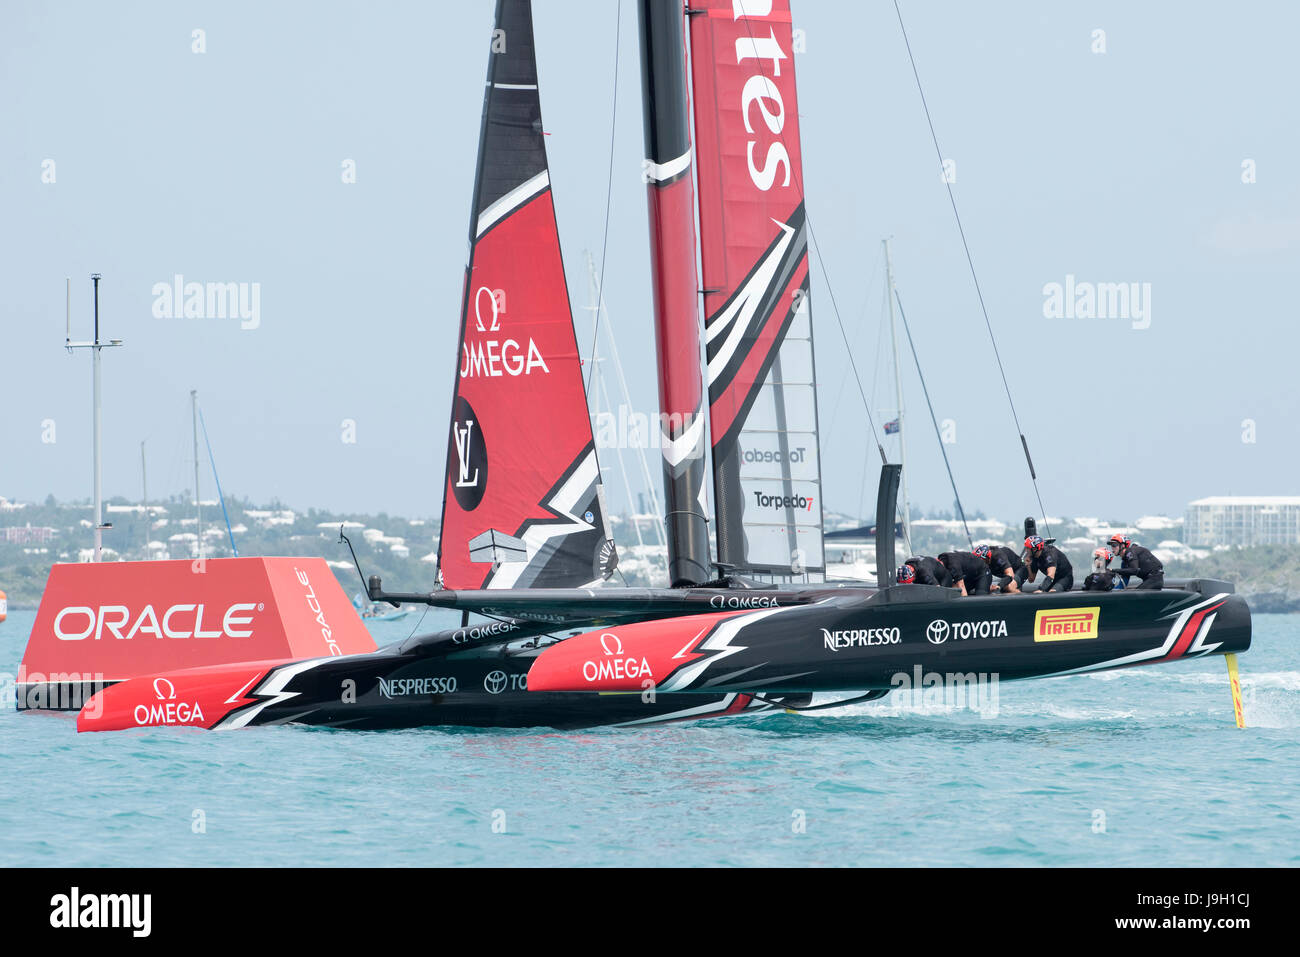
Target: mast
{"type": "Point", "coordinates": [98, 440]}
{"type": "Point", "coordinates": [144, 500]}
{"type": "Point", "coordinates": [670, 193]}
{"type": "Point", "coordinates": [95, 345]}
{"type": "Point", "coordinates": [198, 507]}
{"type": "Point", "coordinates": [898, 383]}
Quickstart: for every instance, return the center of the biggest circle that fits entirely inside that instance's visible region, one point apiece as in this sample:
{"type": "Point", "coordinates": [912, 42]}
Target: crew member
{"type": "Point", "coordinates": [1051, 562]}
{"type": "Point", "coordinates": [1139, 561]}
{"type": "Point", "coordinates": [1103, 577]}
{"type": "Point", "coordinates": [1005, 565]}
{"type": "Point", "coordinates": [923, 570]}
{"type": "Point", "coordinates": [968, 571]}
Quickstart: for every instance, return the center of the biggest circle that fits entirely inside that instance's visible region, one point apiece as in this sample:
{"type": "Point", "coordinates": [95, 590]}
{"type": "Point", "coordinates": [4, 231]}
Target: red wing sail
{"type": "Point", "coordinates": [523, 504]}
{"type": "Point", "coordinates": [758, 325]}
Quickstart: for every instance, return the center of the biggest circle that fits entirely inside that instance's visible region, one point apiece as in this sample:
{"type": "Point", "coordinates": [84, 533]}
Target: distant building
{"type": "Point", "coordinates": [26, 535]}
{"type": "Point", "coordinates": [1243, 520]}
{"type": "Point", "coordinates": [983, 527]}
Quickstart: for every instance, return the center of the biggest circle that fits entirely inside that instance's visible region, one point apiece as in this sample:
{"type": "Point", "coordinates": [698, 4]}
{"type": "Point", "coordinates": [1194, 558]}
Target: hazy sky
{"type": "Point", "coordinates": [226, 166]}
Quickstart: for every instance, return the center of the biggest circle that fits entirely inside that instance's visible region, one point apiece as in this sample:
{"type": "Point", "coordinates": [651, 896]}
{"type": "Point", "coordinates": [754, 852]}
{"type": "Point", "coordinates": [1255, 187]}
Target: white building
{"type": "Point", "coordinates": [1244, 520]}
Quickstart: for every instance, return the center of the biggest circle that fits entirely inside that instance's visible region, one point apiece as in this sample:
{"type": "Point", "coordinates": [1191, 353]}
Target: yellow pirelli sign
{"type": "Point", "coordinates": [1067, 624]}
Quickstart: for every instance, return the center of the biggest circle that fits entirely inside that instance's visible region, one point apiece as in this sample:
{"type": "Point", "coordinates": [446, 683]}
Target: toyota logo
{"type": "Point", "coordinates": [495, 682]}
{"type": "Point", "coordinates": [937, 632]}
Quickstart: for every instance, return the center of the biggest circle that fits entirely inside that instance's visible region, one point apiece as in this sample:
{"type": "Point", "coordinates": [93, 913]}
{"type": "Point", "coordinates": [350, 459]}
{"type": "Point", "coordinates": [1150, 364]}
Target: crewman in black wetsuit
{"type": "Point", "coordinates": [1005, 565]}
{"type": "Point", "coordinates": [1049, 560]}
{"type": "Point", "coordinates": [1103, 577]}
{"type": "Point", "coordinates": [924, 571]}
{"type": "Point", "coordinates": [1139, 561]}
{"type": "Point", "coordinates": [968, 571]}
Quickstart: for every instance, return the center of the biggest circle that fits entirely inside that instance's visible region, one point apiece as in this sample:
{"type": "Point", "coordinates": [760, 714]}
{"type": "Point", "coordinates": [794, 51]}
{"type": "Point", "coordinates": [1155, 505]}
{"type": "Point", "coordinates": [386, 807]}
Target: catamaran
{"type": "Point", "coordinates": [525, 543]}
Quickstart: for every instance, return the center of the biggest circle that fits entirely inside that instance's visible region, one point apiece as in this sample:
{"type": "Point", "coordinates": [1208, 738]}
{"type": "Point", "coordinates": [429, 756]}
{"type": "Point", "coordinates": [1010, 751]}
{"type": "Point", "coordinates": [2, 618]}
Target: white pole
{"type": "Point", "coordinates": [99, 500]}
{"type": "Point", "coordinates": [898, 382]}
{"type": "Point", "coordinates": [198, 507]}
{"type": "Point", "coordinates": [95, 345]}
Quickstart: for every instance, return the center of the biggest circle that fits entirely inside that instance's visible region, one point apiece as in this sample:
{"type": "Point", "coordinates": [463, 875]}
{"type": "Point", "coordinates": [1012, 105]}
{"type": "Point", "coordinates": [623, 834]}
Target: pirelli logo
{"type": "Point", "coordinates": [1068, 624]}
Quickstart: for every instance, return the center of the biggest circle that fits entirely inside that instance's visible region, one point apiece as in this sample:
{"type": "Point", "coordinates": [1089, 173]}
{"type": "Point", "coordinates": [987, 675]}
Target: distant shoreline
{"type": "Point", "coordinates": [403, 550]}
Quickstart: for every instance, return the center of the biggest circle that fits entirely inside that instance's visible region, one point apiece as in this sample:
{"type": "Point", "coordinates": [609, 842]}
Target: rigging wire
{"type": "Point", "coordinates": [961, 512]}
{"type": "Point", "coordinates": [609, 190]}
{"type": "Point", "coordinates": [970, 261]}
{"type": "Point", "coordinates": [220, 496]}
{"type": "Point", "coordinates": [881, 323]}
{"type": "Point", "coordinates": [857, 334]}
{"type": "Point", "coordinates": [604, 246]}
{"type": "Point", "coordinates": [875, 437]}
{"type": "Point", "coordinates": [416, 626]}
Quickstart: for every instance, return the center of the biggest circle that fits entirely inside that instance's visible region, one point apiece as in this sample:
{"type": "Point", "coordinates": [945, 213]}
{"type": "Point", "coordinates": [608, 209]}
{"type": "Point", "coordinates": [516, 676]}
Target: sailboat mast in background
{"type": "Point", "coordinates": [600, 387]}
{"type": "Point", "coordinates": [898, 383]}
{"type": "Point", "coordinates": [96, 345]}
{"type": "Point", "coordinates": [198, 505]}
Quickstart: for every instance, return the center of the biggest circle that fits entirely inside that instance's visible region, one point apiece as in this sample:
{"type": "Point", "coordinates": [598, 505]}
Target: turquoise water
{"type": "Point", "coordinates": [1141, 767]}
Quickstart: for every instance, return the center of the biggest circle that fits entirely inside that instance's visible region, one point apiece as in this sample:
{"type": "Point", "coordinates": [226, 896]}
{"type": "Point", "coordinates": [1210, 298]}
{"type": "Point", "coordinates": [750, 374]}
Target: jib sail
{"type": "Point", "coordinates": [758, 322]}
{"type": "Point", "coordinates": [523, 504]}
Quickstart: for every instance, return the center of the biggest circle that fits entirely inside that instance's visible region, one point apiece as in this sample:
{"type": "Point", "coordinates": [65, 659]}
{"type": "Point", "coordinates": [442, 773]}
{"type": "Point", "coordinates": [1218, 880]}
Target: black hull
{"type": "Point", "coordinates": [395, 692]}
{"type": "Point", "coordinates": [863, 642]}
{"type": "Point", "coordinates": [695, 665]}
{"type": "Point", "coordinates": [998, 635]}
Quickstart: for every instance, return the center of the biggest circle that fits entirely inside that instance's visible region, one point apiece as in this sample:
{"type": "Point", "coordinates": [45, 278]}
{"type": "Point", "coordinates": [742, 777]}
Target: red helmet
{"type": "Point", "coordinates": [983, 551]}
{"type": "Point", "coordinates": [1102, 553]}
{"type": "Point", "coordinates": [1034, 543]}
{"type": "Point", "coordinates": [906, 575]}
{"type": "Point", "coordinates": [1119, 542]}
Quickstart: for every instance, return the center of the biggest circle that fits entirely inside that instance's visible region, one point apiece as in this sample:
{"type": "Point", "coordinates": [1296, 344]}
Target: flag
{"type": "Point", "coordinates": [891, 428]}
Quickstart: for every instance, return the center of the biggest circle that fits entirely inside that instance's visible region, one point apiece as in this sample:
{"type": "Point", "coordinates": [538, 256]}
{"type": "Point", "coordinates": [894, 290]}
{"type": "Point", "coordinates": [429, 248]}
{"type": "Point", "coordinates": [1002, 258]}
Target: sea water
{"type": "Point", "coordinates": [1137, 767]}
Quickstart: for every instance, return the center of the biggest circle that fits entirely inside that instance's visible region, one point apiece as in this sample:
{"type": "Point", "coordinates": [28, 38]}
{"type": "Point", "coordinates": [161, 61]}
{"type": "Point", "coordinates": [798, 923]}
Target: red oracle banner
{"type": "Point", "coordinates": [100, 623]}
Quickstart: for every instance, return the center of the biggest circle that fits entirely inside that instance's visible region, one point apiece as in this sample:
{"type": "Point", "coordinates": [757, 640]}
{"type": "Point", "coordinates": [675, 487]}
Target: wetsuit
{"type": "Point", "coordinates": [1103, 581]}
{"type": "Point", "coordinates": [968, 568]}
{"type": "Point", "coordinates": [1140, 562]}
{"type": "Point", "coordinates": [930, 571]}
{"type": "Point", "coordinates": [1049, 556]}
{"type": "Point", "coordinates": [1005, 563]}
